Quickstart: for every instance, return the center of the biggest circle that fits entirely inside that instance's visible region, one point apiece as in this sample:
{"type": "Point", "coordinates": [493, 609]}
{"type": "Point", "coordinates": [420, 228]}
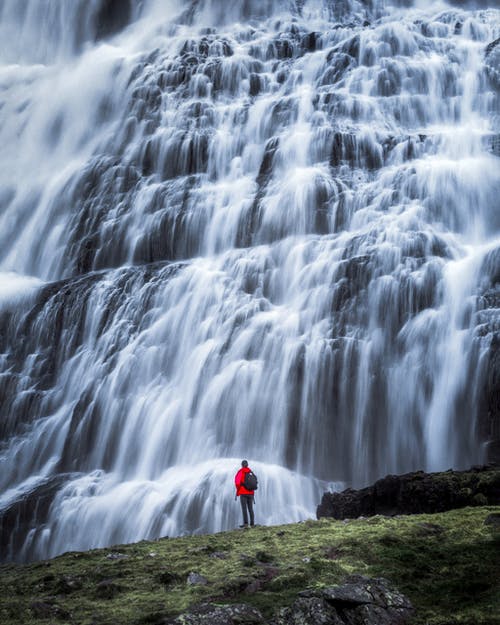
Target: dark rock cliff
{"type": "Point", "coordinates": [416, 493]}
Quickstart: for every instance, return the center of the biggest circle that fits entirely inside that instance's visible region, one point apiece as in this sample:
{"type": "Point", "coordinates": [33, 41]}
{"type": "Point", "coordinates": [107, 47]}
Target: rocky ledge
{"type": "Point", "coordinates": [359, 601]}
{"type": "Point", "coordinates": [416, 493]}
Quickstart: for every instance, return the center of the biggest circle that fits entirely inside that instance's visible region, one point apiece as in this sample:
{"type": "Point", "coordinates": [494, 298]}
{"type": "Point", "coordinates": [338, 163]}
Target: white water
{"type": "Point", "coordinates": [253, 242]}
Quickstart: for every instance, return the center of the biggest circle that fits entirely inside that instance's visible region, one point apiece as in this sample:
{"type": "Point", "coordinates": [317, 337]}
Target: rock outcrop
{"type": "Point", "coordinates": [359, 601]}
{"type": "Point", "coordinates": [209, 614]}
{"type": "Point", "coordinates": [416, 493]}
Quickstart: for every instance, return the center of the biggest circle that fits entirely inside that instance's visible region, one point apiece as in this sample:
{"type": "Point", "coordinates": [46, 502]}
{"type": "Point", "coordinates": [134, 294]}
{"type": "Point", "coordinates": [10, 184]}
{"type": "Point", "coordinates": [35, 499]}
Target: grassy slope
{"type": "Point", "coordinates": [448, 565]}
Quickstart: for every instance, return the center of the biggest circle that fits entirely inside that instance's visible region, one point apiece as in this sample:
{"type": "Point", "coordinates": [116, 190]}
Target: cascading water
{"type": "Point", "coordinates": [263, 229]}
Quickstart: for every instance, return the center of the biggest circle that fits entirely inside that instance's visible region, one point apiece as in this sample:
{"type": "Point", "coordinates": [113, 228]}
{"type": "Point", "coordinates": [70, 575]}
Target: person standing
{"type": "Point", "coordinates": [246, 483]}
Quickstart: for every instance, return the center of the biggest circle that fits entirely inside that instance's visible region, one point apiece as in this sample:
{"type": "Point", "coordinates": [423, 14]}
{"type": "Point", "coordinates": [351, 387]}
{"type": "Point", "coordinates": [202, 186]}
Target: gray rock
{"type": "Point", "coordinates": [493, 519]}
{"type": "Point", "coordinates": [107, 589]}
{"type": "Point", "coordinates": [359, 601]}
{"type": "Point", "coordinates": [116, 555]}
{"type": "Point", "coordinates": [68, 584]}
{"type": "Point", "coordinates": [48, 609]}
{"type": "Point", "coordinates": [308, 611]}
{"type": "Point", "coordinates": [348, 593]}
{"type": "Point", "coordinates": [207, 614]}
{"type": "Point", "coordinates": [220, 555]}
{"type": "Point", "coordinates": [195, 579]}
{"type": "Point", "coordinates": [253, 587]}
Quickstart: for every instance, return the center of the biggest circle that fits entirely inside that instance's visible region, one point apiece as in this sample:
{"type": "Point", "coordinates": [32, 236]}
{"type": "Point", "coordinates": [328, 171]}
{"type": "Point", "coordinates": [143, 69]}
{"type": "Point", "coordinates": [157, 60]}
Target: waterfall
{"type": "Point", "coordinates": [258, 229]}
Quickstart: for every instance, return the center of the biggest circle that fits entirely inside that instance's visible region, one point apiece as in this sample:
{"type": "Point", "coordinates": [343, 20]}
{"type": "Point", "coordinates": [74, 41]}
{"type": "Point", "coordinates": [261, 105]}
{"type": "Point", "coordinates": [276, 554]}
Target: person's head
{"type": "Point", "coordinates": [244, 464]}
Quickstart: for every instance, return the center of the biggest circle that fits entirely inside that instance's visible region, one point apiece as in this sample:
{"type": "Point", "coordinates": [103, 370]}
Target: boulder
{"type": "Point", "coordinates": [195, 579]}
{"type": "Point", "coordinates": [67, 584]}
{"type": "Point", "coordinates": [493, 519]}
{"type": "Point", "coordinates": [359, 601]}
{"type": "Point", "coordinates": [48, 609]}
{"type": "Point", "coordinates": [116, 555]}
{"type": "Point", "coordinates": [208, 614]}
{"type": "Point", "coordinates": [107, 589]}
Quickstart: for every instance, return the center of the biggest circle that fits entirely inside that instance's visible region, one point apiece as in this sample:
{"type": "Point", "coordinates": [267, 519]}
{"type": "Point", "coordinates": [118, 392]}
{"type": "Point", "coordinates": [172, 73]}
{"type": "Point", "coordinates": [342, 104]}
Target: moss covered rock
{"type": "Point", "coordinates": [416, 493]}
{"type": "Point", "coordinates": [359, 601]}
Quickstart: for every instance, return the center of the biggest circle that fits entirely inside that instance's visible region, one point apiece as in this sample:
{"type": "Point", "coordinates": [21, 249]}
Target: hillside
{"type": "Point", "coordinates": [446, 564]}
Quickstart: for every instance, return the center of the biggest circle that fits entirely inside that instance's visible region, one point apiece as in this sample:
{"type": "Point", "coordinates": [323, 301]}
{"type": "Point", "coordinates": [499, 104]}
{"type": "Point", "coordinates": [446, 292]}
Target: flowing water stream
{"type": "Point", "coordinates": [263, 229]}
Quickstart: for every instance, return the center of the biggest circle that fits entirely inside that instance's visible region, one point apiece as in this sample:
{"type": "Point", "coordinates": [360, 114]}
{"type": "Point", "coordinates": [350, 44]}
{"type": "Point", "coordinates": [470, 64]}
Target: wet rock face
{"type": "Point", "coordinates": [488, 332]}
{"type": "Point", "coordinates": [490, 415]}
{"type": "Point", "coordinates": [28, 513]}
{"type": "Point", "coordinates": [415, 493]}
{"type": "Point", "coordinates": [492, 62]}
{"type": "Point", "coordinates": [112, 16]}
{"type": "Point", "coordinates": [360, 601]}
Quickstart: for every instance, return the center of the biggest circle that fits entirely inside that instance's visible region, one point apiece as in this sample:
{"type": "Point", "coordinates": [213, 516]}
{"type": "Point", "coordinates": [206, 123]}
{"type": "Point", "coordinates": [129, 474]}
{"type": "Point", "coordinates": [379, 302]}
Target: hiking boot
{"type": "Point", "coordinates": [244, 525]}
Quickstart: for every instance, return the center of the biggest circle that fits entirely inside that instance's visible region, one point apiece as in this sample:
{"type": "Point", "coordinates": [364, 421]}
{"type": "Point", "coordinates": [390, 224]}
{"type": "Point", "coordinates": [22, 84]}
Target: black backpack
{"type": "Point", "coordinates": [250, 481]}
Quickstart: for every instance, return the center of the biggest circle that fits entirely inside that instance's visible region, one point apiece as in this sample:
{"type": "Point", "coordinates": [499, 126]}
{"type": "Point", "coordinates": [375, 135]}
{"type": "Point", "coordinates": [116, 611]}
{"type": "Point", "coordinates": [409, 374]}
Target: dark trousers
{"type": "Point", "coordinates": [246, 502]}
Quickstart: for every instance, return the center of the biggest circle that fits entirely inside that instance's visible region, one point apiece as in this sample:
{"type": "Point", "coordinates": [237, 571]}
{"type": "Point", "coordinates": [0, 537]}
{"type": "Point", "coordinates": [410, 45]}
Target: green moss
{"type": "Point", "coordinates": [480, 500]}
{"type": "Point", "coordinates": [447, 564]}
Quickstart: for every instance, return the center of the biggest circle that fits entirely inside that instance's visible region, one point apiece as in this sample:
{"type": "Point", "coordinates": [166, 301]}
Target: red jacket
{"type": "Point", "coordinates": [238, 481]}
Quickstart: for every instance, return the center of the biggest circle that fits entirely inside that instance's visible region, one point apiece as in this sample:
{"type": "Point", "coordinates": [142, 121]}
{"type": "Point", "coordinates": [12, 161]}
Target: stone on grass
{"type": "Point", "coordinates": [359, 601]}
{"type": "Point", "coordinates": [195, 579]}
{"type": "Point", "coordinates": [208, 614]}
{"type": "Point", "coordinates": [107, 589]}
{"type": "Point", "coordinates": [116, 555]}
{"type": "Point", "coordinates": [492, 519]}
{"type": "Point", "coordinates": [48, 609]}
{"type": "Point", "coordinates": [68, 584]}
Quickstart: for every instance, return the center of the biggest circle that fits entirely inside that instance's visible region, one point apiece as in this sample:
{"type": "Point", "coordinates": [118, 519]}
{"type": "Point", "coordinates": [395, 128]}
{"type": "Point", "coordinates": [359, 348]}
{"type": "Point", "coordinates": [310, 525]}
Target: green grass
{"type": "Point", "coordinates": [447, 564]}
